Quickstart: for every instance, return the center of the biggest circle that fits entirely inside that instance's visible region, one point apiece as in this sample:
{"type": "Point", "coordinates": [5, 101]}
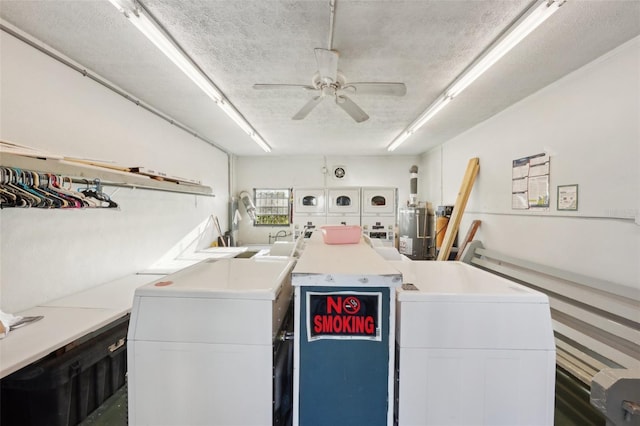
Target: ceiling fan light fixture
{"type": "Point", "coordinates": [166, 45]}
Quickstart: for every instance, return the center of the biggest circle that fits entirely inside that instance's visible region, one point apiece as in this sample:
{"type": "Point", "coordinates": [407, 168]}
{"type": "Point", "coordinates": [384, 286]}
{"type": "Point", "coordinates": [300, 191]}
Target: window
{"type": "Point", "coordinates": [273, 207]}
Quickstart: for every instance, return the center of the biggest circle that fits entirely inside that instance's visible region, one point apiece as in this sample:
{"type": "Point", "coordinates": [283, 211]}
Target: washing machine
{"type": "Point", "coordinates": [378, 217]}
{"type": "Point", "coordinates": [472, 348]}
{"type": "Point", "coordinates": [204, 349]}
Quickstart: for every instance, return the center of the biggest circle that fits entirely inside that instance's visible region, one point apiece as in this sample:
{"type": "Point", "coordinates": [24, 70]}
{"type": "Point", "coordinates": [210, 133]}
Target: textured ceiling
{"type": "Point", "coordinates": [424, 44]}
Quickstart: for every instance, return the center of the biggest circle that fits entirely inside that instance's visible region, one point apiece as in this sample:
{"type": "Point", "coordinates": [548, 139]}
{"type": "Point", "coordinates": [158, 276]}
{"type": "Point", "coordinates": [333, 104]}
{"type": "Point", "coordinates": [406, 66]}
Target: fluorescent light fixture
{"type": "Point", "coordinates": [399, 139]}
{"type": "Point", "coordinates": [523, 27]}
{"type": "Point", "coordinates": [163, 42]}
{"type": "Point", "coordinates": [235, 116]}
{"type": "Point", "coordinates": [258, 139]}
{"type": "Point", "coordinates": [429, 113]}
{"type": "Point", "coordinates": [537, 15]}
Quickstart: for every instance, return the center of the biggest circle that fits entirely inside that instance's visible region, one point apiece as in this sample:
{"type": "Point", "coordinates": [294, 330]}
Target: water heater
{"type": "Point", "coordinates": [416, 236]}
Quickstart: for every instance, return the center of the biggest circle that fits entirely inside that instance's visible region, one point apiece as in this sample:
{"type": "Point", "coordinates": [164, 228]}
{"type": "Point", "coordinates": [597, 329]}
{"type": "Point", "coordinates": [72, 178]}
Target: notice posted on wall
{"type": "Point", "coordinates": [352, 315]}
{"type": "Point", "coordinates": [530, 182]}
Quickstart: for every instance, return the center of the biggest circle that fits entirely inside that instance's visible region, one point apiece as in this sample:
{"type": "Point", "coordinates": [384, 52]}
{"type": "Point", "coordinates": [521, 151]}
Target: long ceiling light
{"type": "Point", "coordinates": [157, 36]}
{"type": "Point", "coordinates": [535, 16]}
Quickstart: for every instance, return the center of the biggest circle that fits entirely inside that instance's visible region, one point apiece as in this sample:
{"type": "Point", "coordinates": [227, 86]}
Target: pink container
{"type": "Point", "coordinates": [341, 234]}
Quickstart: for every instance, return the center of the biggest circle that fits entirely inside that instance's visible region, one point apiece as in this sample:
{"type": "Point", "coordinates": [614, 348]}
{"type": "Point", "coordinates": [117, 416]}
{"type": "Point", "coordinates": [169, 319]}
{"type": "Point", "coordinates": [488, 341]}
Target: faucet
{"type": "Point", "coordinates": [281, 233]}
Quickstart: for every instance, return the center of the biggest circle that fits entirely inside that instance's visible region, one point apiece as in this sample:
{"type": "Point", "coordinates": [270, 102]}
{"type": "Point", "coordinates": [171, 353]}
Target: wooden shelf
{"type": "Point", "coordinates": [108, 177]}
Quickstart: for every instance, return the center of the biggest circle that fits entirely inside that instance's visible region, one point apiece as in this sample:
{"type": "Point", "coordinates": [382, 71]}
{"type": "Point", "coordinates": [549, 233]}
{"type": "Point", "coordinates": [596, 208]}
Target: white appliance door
{"type": "Point", "coordinates": [378, 201]}
{"type": "Point", "coordinates": [309, 201]}
{"type": "Point", "coordinates": [344, 201]}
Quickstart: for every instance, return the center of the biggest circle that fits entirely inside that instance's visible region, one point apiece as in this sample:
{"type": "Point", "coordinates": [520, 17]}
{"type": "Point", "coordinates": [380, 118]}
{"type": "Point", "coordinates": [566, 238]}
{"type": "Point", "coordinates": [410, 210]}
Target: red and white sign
{"type": "Point", "coordinates": [344, 315]}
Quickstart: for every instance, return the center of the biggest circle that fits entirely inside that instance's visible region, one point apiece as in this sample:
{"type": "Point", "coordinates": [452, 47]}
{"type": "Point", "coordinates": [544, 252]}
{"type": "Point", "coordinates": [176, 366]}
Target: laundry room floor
{"type": "Point", "coordinates": [113, 412]}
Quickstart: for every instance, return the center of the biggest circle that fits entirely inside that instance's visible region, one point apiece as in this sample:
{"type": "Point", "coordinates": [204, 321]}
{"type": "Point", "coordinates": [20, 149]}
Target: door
{"type": "Point", "coordinates": [378, 201]}
{"type": "Point", "coordinates": [309, 201]}
{"type": "Point", "coordinates": [344, 201]}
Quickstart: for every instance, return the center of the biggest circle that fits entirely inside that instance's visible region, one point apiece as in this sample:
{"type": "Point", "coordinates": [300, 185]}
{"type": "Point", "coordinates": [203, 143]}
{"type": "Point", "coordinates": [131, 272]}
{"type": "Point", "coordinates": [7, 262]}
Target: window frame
{"type": "Point", "coordinates": [278, 207]}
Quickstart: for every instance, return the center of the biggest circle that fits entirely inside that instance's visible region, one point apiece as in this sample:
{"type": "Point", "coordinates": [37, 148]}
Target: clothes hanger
{"type": "Point", "coordinates": [75, 198]}
{"type": "Point", "coordinates": [99, 195]}
{"type": "Point", "coordinates": [32, 181]}
{"type": "Point", "coordinates": [15, 186]}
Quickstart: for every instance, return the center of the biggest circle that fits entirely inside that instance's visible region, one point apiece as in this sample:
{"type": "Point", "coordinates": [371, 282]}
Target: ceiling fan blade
{"type": "Point", "coordinates": [327, 64]}
{"type": "Point", "coordinates": [391, 89]}
{"type": "Point", "coordinates": [283, 86]}
{"type": "Point", "coordinates": [306, 109]}
{"type": "Point", "coordinates": [352, 109]}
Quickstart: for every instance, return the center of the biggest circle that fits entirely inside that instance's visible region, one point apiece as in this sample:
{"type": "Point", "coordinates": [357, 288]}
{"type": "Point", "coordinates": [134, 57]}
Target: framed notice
{"type": "Point", "coordinates": [530, 182]}
{"type": "Point", "coordinates": [567, 197]}
{"type": "Point", "coordinates": [353, 315]}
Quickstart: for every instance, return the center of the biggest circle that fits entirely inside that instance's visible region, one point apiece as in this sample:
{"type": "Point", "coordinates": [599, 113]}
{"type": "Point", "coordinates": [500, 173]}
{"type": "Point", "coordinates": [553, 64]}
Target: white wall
{"type": "Point", "coordinates": [589, 123]}
{"type": "Point", "coordinates": [47, 254]}
{"type": "Point", "coordinates": [292, 172]}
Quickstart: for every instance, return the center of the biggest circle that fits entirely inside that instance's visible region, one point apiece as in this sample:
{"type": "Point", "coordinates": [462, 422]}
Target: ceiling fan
{"type": "Point", "coordinates": [329, 82]}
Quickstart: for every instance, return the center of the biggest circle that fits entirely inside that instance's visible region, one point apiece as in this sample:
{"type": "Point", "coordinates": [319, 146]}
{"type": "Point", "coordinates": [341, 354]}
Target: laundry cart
{"type": "Point", "coordinates": [473, 348]}
{"type": "Point", "coordinates": [344, 334]}
{"type": "Point", "coordinates": [203, 346]}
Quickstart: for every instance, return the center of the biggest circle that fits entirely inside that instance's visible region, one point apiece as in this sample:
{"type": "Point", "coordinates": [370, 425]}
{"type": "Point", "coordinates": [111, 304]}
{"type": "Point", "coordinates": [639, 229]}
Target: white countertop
{"type": "Point", "coordinates": [117, 294]}
{"type": "Point", "coordinates": [66, 320]}
{"type": "Point", "coordinates": [185, 260]}
{"type": "Point", "coordinates": [461, 283]}
{"type": "Point", "coordinates": [256, 278]}
{"type": "Point", "coordinates": [74, 316]}
{"type": "Point", "coordinates": [343, 264]}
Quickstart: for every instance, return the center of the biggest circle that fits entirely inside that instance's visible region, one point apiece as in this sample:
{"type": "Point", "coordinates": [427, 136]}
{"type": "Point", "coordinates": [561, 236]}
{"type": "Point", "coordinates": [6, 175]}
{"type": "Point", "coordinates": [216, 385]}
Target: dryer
{"type": "Point", "coordinates": [379, 201]}
{"type": "Point", "coordinates": [309, 201]}
{"type": "Point", "coordinates": [309, 209]}
{"type": "Point", "coordinates": [343, 206]}
{"type": "Point", "coordinates": [378, 219]}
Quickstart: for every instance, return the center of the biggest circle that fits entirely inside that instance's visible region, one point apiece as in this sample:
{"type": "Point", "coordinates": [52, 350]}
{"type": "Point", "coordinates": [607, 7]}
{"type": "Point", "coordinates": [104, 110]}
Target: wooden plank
{"type": "Point", "coordinates": [97, 163]}
{"type": "Point", "coordinates": [470, 234]}
{"type": "Point", "coordinates": [458, 209]}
